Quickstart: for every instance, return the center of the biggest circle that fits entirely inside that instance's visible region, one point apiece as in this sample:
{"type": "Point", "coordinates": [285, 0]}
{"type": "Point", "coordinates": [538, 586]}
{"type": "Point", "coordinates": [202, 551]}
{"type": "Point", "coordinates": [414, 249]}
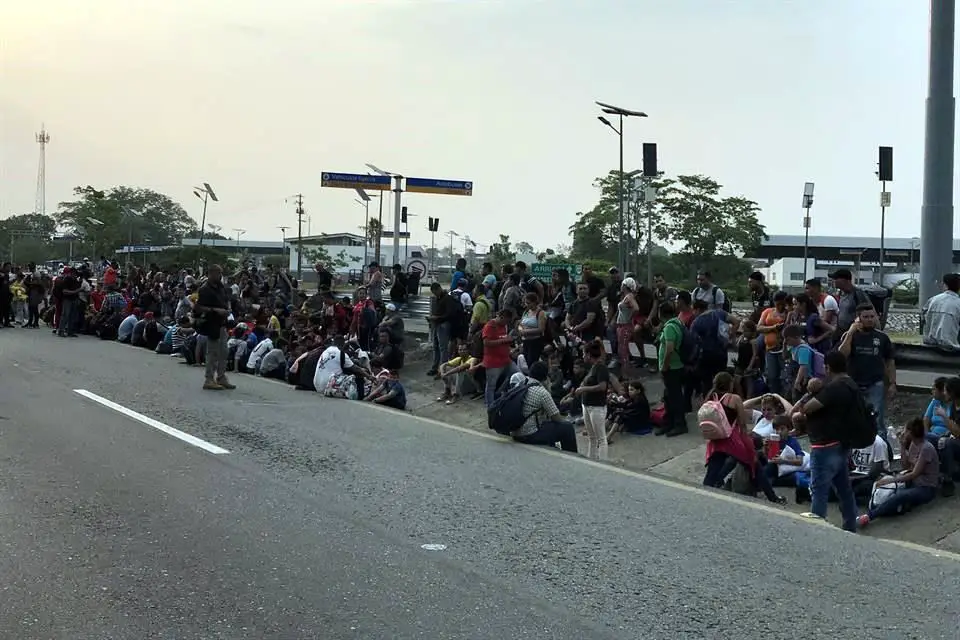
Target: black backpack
{"type": "Point", "coordinates": [506, 413]}
{"type": "Point", "coordinates": [861, 431]}
{"type": "Point", "coordinates": [456, 315]}
{"type": "Point", "coordinates": [727, 305]}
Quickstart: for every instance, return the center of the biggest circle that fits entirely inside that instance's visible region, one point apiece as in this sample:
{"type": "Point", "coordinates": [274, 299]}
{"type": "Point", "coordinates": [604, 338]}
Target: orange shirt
{"type": "Point", "coordinates": [770, 318]}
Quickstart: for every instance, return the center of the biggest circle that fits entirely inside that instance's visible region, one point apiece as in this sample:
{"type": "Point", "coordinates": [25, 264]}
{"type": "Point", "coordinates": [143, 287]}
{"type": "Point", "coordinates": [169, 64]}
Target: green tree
{"type": "Point", "coordinates": [524, 247]}
{"type": "Point", "coordinates": [313, 255]}
{"type": "Point", "coordinates": [28, 238]}
{"type": "Point", "coordinates": [596, 233]}
{"type": "Point", "coordinates": [706, 224]}
{"type": "Point", "coordinates": [107, 220]}
{"type": "Point", "coordinates": [500, 252]}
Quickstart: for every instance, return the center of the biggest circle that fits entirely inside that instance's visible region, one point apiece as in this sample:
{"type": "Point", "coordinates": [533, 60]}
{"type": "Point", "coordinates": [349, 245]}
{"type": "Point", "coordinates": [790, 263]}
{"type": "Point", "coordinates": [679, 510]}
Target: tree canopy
{"type": "Point", "coordinates": [106, 220]}
{"type": "Point", "coordinates": [709, 230]}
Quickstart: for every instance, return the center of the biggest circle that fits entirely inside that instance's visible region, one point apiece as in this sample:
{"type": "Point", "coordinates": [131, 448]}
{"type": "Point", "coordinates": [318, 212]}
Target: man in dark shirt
{"type": "Point", "coordinates": [439, 318]}
{"type": "Point", "coordinates": [712, 327]}
{"type": "Point", "coordinates": [212, 308]}
{"type": "Point", "coordinates": [869, 353]}
{"type": "Point", "coordinates": [826, 417]}
{"type": "Point", "coordinates": [69, 293]}
{"type": "Point", "coordinates": [324, 278]}
{"type": "Point", "coordinates": [760, 295]}
{"type": "Point", "coordinates": [586, 316]}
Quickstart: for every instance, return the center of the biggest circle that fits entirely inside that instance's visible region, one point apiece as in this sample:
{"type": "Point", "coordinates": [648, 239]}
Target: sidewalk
{"type": "Point", "coordinates": [682, 458]}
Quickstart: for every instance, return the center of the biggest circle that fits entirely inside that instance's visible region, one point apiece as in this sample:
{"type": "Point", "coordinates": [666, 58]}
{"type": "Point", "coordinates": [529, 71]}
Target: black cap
{"type": "Point", "coordinates": [841, 274]}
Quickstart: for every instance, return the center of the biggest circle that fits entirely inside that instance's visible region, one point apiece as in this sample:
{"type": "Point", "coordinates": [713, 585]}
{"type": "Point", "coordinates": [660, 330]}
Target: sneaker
{"type": "Point", "coordinates": [226, 385]}
{"type": "Point", "coordinates": [863, 521]}
{"type": "Point", "coordinates": [677, 431]}
{"type": "Point", "coordinates": [443, 397]}
{"type": "Point", "coordinates": [212, 386]}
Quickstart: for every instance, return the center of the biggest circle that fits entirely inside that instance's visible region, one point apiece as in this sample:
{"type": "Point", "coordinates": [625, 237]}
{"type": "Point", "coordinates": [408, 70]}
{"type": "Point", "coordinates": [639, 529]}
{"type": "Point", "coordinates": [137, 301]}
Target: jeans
{"type": "Point", "coordinates": [494, 375]}
{"type": "Point", "coordinates": [550, 432]}
{"type": "Point", "coordinates": [66, 317]}
{"type": "Point", "coordinates": [829, 466]}
{"type": "Point", "coordinates": [673, 399]}
{"type": "Point", "coordinates": [773, 371]}
{"type": "Point", "coordinates": [441, 344]}
{"type": "Point", "coordinates": [216, 357]}
{"type": "Point", "coordinates": [719, 467]}
{"type": "Point", "coordinates": [950, 459]}
{"type": "Point", "coordinates": [595, 420]}
{"type": "Point", "coordinates": [33, 314]}
{"type": "Point", "coordinates": [903, 499]}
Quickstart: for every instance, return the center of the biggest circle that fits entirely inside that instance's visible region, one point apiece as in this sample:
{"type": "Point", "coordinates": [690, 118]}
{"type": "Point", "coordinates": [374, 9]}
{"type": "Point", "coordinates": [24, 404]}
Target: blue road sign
{"type": "Point", "coordinates": [355, 181]}
{"type": "Point", "coordinates": [446, 187]}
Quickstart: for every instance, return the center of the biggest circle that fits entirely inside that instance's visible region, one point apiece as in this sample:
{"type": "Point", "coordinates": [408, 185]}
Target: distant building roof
{"type": "Point", "coordinates": [233, 244]}
{"type": "Point", "coordinates": [853, 242]}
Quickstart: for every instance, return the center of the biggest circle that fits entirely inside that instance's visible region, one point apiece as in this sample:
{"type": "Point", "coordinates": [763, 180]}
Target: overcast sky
{"type": "Point", "coordinates": [259, 98]}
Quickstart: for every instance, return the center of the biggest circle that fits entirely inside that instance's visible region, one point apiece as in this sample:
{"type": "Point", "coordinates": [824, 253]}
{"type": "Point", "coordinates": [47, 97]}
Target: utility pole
{"type": "Point", "coordinates": [43, 139]}
{"type": "Point", "coordinates": [300, 213]}
{"type": "Point", "coordinates": [283, 248]}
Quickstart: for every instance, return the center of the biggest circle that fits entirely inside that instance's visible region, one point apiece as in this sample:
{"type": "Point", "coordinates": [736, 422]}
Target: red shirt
{"type": "Point", "coordinates": [686, 317]}
{"type": "Point", "coordinates": [498, 356]}
{"type": "Point", "coordinates": [97, 298]}
{"type": "Point", "coordinates": [110, 276]}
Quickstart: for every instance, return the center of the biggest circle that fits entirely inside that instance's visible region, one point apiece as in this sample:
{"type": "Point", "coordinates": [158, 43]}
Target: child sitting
{"type": "Point", "coordinates": [630, 413]}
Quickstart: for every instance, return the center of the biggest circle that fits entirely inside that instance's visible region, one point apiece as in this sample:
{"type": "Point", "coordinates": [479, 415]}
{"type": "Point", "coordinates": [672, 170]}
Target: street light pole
{"type": "Point", "coordinates": [283, 248]}
{"type": "Point", "coordinates": [621, 113]}
{"type": "Point", "coordinates": [208, 194]}
{"type": "Point", "coordinates": [807, 204]}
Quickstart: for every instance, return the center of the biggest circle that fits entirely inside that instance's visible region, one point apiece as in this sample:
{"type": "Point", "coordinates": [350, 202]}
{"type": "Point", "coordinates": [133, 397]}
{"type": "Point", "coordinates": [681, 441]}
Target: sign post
{"type": "Point", "coordinates": [398, 184]}
{"type": "Point", "coordinates": [543, 271]}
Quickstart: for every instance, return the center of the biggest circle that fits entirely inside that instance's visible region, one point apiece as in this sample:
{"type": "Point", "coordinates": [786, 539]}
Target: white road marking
{"type": "Point", "coordinates": [433, 547]}
{"type": "Point", "coordinates": [150, 422]}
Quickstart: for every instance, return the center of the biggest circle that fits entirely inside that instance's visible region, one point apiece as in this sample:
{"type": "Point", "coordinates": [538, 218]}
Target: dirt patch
{"type": "Point", "coordinates": [905, 406]}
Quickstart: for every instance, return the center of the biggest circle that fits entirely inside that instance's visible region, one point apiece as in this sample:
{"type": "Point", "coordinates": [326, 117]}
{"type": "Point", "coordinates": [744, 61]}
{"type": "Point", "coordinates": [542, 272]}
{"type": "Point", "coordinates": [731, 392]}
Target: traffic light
{"type": "Point", "coordinates": [403, 215]}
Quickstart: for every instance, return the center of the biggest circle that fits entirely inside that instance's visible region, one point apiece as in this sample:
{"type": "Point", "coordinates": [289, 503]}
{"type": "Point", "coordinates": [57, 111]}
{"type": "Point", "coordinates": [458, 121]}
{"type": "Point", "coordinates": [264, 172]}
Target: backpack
{"type": "Point", "coordinates": [690, 348]}
{"type": "Point", "coordinates": [727, 305]}
{"type": "Point", "coordinates": [506, 413]}
{"type": "Point", "coordinates": [712, 418]}
{"type": "Point", "coordinates": [862, 429]}
{"type": "Point", "coordinates": [457, 315]}
{"type": "Point", "coordinates": [819, 365]}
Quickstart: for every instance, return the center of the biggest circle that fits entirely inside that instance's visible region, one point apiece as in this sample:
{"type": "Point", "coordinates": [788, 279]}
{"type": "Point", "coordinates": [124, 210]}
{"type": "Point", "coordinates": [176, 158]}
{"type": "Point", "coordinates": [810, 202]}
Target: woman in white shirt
{"type": "Point", "coordinates": [771, 405]}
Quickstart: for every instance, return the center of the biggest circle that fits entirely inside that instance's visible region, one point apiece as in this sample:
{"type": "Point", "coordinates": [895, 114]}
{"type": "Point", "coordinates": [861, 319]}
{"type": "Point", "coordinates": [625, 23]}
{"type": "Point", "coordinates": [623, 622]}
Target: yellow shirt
{"type": "Point", "coordinates": [481, 312]}
{"type": "Point", "coordinates": [273, 324]}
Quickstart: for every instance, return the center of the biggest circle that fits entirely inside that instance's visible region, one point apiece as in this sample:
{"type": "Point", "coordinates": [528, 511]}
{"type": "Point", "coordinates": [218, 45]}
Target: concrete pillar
{"type": "Point", "coordinates": [936, 225]}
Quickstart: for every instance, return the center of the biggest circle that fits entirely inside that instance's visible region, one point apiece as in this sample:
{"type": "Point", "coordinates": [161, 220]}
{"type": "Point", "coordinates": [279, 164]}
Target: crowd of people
{"type": "Point", "coordinates": [810, 377]}
{"type": "Point", "coordinates": [812, 368]}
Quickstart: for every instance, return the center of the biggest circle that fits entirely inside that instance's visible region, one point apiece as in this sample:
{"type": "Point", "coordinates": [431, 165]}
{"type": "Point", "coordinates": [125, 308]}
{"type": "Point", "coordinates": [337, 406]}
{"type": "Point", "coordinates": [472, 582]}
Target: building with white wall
{"type": "Point", "coordinates": [350, 248]}
{"type": "Point", "coordinates": [787, 273]}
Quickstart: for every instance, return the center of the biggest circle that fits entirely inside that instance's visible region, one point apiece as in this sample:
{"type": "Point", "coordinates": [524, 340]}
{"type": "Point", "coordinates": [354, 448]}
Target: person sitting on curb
{"type": "Point", "coordinates": [544, 424]}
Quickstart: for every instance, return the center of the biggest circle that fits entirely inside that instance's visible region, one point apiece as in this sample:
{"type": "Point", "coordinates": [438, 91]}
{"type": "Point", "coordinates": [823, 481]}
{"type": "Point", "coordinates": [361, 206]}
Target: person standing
{"type": "Point", "coordinates": [870, 362]}
{"type": "Point", "coordinates": [496, 353]}
{"type": "Point", "coordinates": [827, 418]}
{"type": "Point", "coordinates": [593, 396]}
{"type": "Point", "coordinates": [213, 307]}
{"type": "Point", "coordinates": [70, 289]}
{"type": "Point", "coordinates": [671, 368]}
{"type": "Point", "coordinates": [772, 320]}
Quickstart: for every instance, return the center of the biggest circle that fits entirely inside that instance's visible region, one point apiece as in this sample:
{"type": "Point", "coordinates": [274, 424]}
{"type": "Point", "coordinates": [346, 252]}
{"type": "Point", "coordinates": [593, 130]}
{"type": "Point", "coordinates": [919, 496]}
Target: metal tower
{"type": "Point", "coordinates": [40, 205]}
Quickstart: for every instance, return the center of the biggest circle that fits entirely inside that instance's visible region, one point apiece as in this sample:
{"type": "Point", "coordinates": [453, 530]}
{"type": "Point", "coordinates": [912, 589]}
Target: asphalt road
{"type": "Point", "coordinates": [312, 526]}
